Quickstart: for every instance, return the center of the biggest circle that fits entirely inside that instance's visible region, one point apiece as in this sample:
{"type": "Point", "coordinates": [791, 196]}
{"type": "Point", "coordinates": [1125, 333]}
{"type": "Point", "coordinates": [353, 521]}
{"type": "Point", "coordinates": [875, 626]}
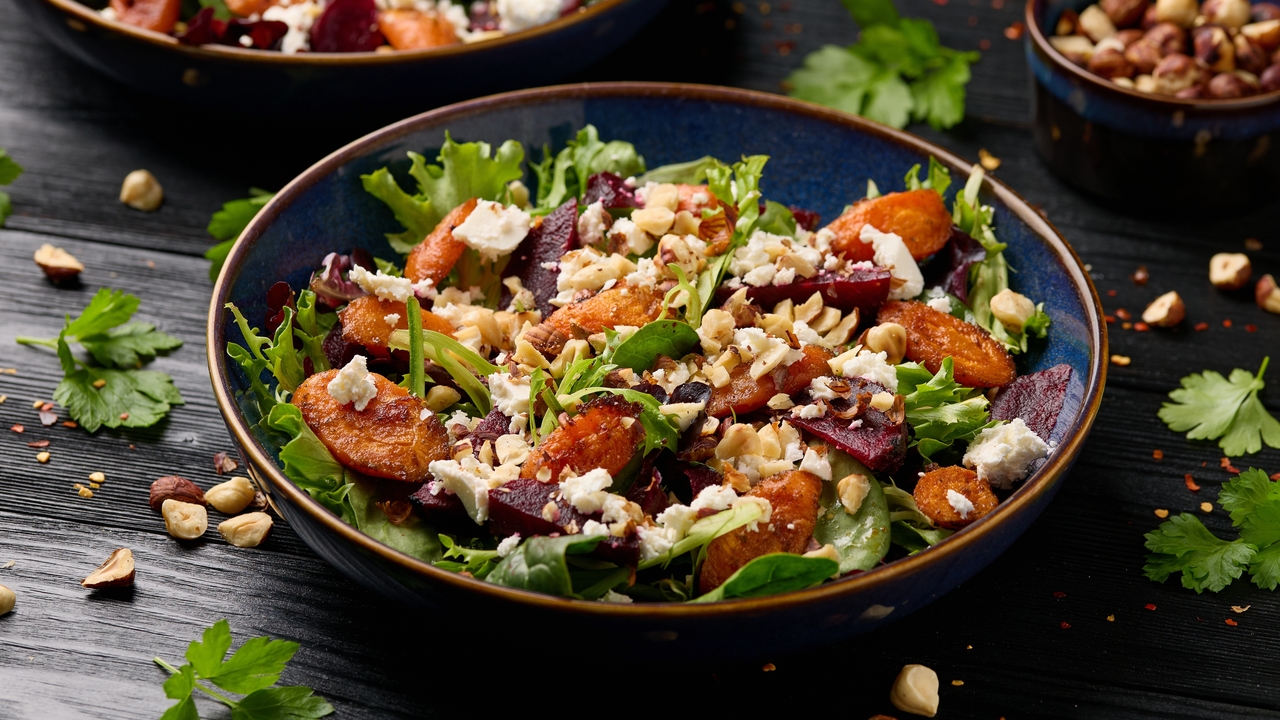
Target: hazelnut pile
{"type": "Point", "coordinates": [1214, 49]}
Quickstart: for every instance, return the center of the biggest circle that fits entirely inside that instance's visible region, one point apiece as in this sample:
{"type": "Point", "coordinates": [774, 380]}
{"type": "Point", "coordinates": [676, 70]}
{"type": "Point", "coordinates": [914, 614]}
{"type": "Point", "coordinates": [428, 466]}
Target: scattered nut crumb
{"type": "Point", "coordinates": [94, 486]}
{"type": "Point", "coordinates": [988, 161]}
{"type": "Point", "coordinates": [85, 492]}
{"type": "Point", "coordinates": [957, 683]}
{"type": "Point", "coordinates": [769, 667]}
{"type": "Point", "coordinates": [1157, 454]}
{"type": "Point", "coordinates": [97, 477]}
{"type": "Point", "coordinates": [37, 404]}
{"type": "Point", "coordinates": [1206, 507]}
{"type": "Point", "coordinates": [1162, 513]}
{"type": "Point", "coordinates": [42, 457]}
{"type": "Point", "coordinates": [100, 383]}
{"type": "Point", "coordinates": [1234, 608]}
{"type": "Point", "coordinates": [1111, 618]}
{"type": "Point", "coordinates": [1121, 360]}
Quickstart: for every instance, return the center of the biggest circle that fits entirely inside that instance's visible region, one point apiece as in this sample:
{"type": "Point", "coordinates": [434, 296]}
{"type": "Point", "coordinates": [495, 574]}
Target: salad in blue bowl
{"type": "Point", "coordinates": [581, 375]}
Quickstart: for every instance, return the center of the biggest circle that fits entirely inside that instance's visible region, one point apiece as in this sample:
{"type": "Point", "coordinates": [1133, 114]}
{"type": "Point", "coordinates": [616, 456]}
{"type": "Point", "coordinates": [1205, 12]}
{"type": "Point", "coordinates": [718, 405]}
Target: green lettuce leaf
{"type": "Point", "coordinates": [310, 465]}
{"type": "Point", "coordinates": [585, 156]}
{"type": "Point", "coordinates": [771, 575]}
{"type": "Point", "coordinates": [538, 564]}
{"type": "Point", "coordinates": [693, 172]}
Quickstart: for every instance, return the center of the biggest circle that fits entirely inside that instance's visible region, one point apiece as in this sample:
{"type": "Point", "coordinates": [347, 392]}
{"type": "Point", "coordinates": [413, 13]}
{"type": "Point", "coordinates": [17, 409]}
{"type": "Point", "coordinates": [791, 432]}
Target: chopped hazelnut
{"type": "Point", "coordinates": [231, 496]}
{"type": "Point", "coordinates": [1174, 73]}
{"type": "Point", "coordinates": [1179, 12]}
{"type": "Point", "coordinates": [1267, 294]}
{"type": "Point", "coordinates": [58, 264]}
{"type": "Point", "coordinates": [1167, 310]}
{"type": "Point", "coordinates": [852, 490]}
{"type": "Point", "coordinates": [7, 600]}
{"type": "Point", "coordinates": [916, 691]}
{"type": "Point", "coordinates": [116, 571]}
{"type": "Point", "coordinates": [1125, 13]}
{"type": "Point", "coordinates": [141, 191]}
{"type": "Point", "coordinates": [1230, 271]}
{"type": "Point", "coordinates": [888, 338]}
{"type": "Point", "coordinates": [1012, 309]}
{"type": "Point", "coordinates": [1232, 14]}
{"type": "Point", "coordinates": [1095, 23]}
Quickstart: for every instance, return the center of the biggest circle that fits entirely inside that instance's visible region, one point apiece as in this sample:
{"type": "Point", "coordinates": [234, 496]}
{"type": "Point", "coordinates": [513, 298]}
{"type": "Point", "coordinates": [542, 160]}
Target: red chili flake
{"type": "Point", "coordinates": [1157, 454]}
{"type": "Point", "coordinates": [70, 424]}
{"type": "Point", "coordinates": [973, 20]}
{"type": "Point", "coordinates": [46, 407]}
{"type": "Point", "coordinates": [1014, 31]}
{"type": "Point", "coordinates": [47, 418]}
{"type": "Point", "coordinates": [1123, 314]}
{"type": "Point", "coordinates": [38, 444]}
{"type": "Point", "coordinates": [940, 2]}
{"type": "Point", "coordinates": [18, 429]}
{"type": "Point", "coordinates": [1202, 326]}
{"type": "Point", "coordinates": [1226, 323]}
{"type": "Point", "coordinates": [1149, 606]}
{"type": "Point", "coordinates": [1059, 594]}
{"type": "Point", "coordinates": [1231, 622]}
{"type": "Point", "coordinates": [1111, 293]}
{"type": "Point", "coordinates": [1191, 483]}
{"type": "Point", "coordinates": [1225, 464]}
{"type": "Point", "coordinates": [784, 46]}
{"type": "Point", "coordinates": [1064, 625]}
{"type": "Point", "coordinates": [984, 44]}
{"type": "Point", "coordinates": [1109, 318]}
{"type": "Point", "coordinates": [1140, 276]}
{"type": "Point", "coordinates": [1276, 477]}
{"type": "Point", "coordinates": [132, 446]}
{"type": "Point", "coordinates": [124, 416]}
{"type": "Point", "coordinates": [1141, 327]}
{"type": "Point", "coordinates": [1251, 328]}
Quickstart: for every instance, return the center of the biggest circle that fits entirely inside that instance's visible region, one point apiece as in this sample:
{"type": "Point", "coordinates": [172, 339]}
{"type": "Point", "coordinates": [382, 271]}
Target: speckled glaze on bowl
{"type": "Point", "coordinates": [1144, 151]}
{"type": "Point", "coordinates": [259, 81]}
{"type": "Point", "coordinates": [821, 160]}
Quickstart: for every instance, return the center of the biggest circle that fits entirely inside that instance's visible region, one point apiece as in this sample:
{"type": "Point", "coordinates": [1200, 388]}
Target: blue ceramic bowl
{"type": "Point", "coordinates": [821, 160]}
{"type": "Point", "coordinates": [1145, 151]}
{"type": "Point", "coordinates": [305, 83]}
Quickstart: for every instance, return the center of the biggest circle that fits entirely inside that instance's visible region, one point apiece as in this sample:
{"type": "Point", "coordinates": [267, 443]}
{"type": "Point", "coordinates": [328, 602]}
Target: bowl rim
{"type": "Point", "coordinates": [1041, 42]}
{"type": "Point", "coordinates": [309, 59]}
{"type": "Point", "coordinates": [1021, 500]}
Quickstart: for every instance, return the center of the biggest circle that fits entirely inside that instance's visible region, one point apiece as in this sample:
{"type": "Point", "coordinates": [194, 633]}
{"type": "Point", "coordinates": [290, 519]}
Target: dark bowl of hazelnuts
{"type": "Point", "coordinates": [1169, 106]}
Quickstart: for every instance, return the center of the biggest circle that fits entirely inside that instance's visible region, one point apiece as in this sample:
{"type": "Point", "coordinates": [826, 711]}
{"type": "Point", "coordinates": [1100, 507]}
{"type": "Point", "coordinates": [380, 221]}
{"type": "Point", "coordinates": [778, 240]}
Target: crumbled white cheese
{"type": "Point", "coordinates": [714, 497]}
{"type": "Point", "coordinates": [959, 503]}
{"type": "Point", "coordinates": [508, 544]}
{"type": "Point", "coordinates": [868, 365]}
{"type": "Point", "coordinates": [809, 412]}
{"type": "Point", "coordinates": [391, 319]}
{"type": "Point", "coordinates": [387, 287]}
{"type": "Point", "coordinates": [109, 13]}
{"type": "Point", "coordinates": [634, 240]}
{"type": "Point", "coordinates": [776, 259]}
{"type": "Point", "coordinates": [1003, 454]}
{"type": "Point", "coordinates": [353, 384]}
{"type": "Point", "coordinates": [654, 541]}
{"type": "Point", "coordinates": [677, 519]}
{"type": "Point", "coordinates": [941, 304]}
{"type": "Point", "coordinates": [299, 17]}
{"type": "Point", "coordinates": [820, 389]}
{"type": "Point", "coordinates": [471, 480]}
{"type": "Point", "coordinates": [892, 253]}
{"type": "Point", "coordinates": [509, 394]}
{"type": "Point", "coordinates": [593, 223]}
{"type": "Point", "coordinates": [816, 463]}
{"type": "Point", "coordinates": [588, 269]}
{"type": "Point", "coordinates": [493, 229]}
{"type": "Point", "coordinates": [591, 527]}
{"type": "Point", "coordinates": [517, 15]}
{"type": "Point", "coordinates": [586, 492]}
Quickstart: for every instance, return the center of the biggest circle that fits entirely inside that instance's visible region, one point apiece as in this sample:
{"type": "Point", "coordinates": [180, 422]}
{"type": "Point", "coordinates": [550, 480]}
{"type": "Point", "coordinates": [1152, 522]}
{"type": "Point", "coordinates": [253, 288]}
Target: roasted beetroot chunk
{"type": "Point", "coordinates": [205, 29]}
{"type": "Point", "coordinates": [338, 351]}
{"type": "Point", "coordinates": [649, 494]}
{"type": "Point", "coordinates": [444, 511]}
{"type": "Point", "coordinates": [1036, 398]}
{"type": "Point", "coordinates": [687, 479]}
{"type": "Point", "coordinates": [610, 191]}
{"type": "Point", "coordinates": [347, 26]}
{"type": "Point", "coordinates": [546, 243]}
{"type": "Point", "coordinates": [493, 426]}
{"type": "Point", "coordinates": [877, 442]}
{"type": "Point", "coordinates": [517, 507]}
{"type": "Point", "coordinates": [843, 291]}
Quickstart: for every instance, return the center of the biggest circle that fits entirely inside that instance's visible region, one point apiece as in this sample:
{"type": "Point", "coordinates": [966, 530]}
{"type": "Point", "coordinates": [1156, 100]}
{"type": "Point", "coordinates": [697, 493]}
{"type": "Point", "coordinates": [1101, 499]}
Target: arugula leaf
{"type": "Point", "coordinates": [9, 171]}
{"type": "Point", "coordinates": [1184, 545]}
{"type": "Point", "coordinates": [693, 172]}
{"type": "Point", "coordinates": [1211, 407]}
{"type": "Point", "coordinates": [771, 575]}
{"type": "Point", "coordinates": [227, 224]}
{"type": "Point", "coordinates": [538, 564]}
{"type": "Point", "coordinates": [672, 338]}
{"type": "Point", "coordinates": [250, 671]}
{"type": "Point", "coordinates": [466, 170]}
{"type": "Point", "coordinates": [584, 156]}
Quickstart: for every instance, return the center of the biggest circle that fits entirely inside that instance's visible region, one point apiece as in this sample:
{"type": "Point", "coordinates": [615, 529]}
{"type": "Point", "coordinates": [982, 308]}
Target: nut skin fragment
{"type": "Point", "coordinates": [1166, 311]}
{"type": "Point", "coordinates": [1267, 294]}
{"type": "Point", "coordinates": [1230, 271]}
{"type": "Point", "coordinates": [7, 600]}
{"type": "Point", "coordinates": [141, 191]}
{"type": "Point", "coordinates": [246, 531]}
{"type": "Point", "coordinates": [172, 487]}
{"type": "Point", "coordinates": [916, 691]}
{"type": "Point", "coordinates": [116, 571]}
{"type": "Point", "coordinates": [231, 496]}
{"type": "Point", "coordinates": [58, 264]}
{"type": "Point", "coordinates": [185, 521]}
{"type": "Point", "coordinates": [931, 496]}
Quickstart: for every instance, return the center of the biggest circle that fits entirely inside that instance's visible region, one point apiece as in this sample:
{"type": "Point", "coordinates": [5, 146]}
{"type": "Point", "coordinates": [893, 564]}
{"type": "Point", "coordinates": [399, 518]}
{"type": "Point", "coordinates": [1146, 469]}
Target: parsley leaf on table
{"type": "Point", "coordinates": [227, 224]}
{"type": "Point", "coordinates": [897, 72]}
{"type": "Point", "coordinates": [9, 171]}
{"type": "Point", "coordinates": [251, 670]}
{"type": "Point", "coordinates": [115, 392]}
{"type": "Point", "coordinates": [1211, 407]}
{"type": "Point", "coordinates": [1182, 544]}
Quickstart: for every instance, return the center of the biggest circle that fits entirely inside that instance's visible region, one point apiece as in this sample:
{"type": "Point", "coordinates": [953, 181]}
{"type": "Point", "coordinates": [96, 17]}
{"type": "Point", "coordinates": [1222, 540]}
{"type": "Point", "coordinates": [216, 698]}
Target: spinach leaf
{"type": "Point", "coordinates": [693, 172]}
{"type": "Point", "coordinates": [412, 537]}
{"type": "Point", "coordinates": [771, 575]}
{"type": "Point", "coordinates": [538, 564]}
{"type": "Point", "coordinates": [861, 539]}
{"type": "Point", "coordinates": [672, 338]}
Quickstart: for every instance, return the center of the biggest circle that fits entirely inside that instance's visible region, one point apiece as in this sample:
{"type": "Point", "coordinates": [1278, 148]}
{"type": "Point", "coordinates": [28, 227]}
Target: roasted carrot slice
{"type": "Point", "coordinates": [245, 8]}
{"type": "Point", "coordinates": [933, 336]}
{"type": "Point", "coordinates": [415, 29]}
{"type": "Point", "coordinates": [391, 438]}
{"type": "Point", "coordinates": [794, 496]}
{"type": "Point", "coordinates": [919, 217]}
{"type": "Point", "coordinates": [744, 394]}
{"type": "Point", "coordinates": [616, 306]}
{"type": "Point", "coordinates": [931, 496]}
{"type": "Point", "coordinates": [157, 15]}
{"type": "Point", "coordinates": [364, 322]}
{"type": "Point", "coordinates": [435, 256]}
{"type": "Point", "coordinates": [604, 434]}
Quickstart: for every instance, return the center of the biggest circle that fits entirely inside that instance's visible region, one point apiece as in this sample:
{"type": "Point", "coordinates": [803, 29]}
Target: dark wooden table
{"type": "Point", "coordinates": [1060, 626]}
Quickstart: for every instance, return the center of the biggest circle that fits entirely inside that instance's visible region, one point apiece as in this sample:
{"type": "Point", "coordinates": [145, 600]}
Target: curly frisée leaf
{"type": "Point", "coordinates": [1184, 545]}
{"type": "Point", "coordinates": [772, 575]}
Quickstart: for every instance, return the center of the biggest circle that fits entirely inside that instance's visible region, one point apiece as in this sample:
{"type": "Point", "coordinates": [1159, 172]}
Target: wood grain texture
{"type": "Point", "coordinates": [68, 652]}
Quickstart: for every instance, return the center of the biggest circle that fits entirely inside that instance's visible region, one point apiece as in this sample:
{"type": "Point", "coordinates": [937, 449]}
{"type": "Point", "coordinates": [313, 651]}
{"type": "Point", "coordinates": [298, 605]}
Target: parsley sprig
{"type": "Point", "coordinates": [9, 171]}
{"type": "Point", "coordinates": [251, 671]}
{"type": "Point", "coordinates": [1211, 407]}
{"type": "Point", "coordinates": [898, 71]}
{"type": "Point", "coordinates": [1183, 545]}
{"type": "Point", "coordinates": [113, 392]}
{"type": "Point", "coordinates": [227, 224]}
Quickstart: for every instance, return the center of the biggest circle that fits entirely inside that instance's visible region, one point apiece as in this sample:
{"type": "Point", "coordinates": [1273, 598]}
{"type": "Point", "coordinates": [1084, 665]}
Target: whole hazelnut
{"type": "Point", "coordinates": [1143, 56]}
{"type": "Point", "coordinates": [1095, 24]}
{"type": "Point", "coordinates": [1175, 73]}
{"type": "Point", "coordinates": [1214, 48]}
{"type": "Point", "coordinates": [1068, 23]}
{"type": "Point", "coordinates": [1265, 34]}
{"type": "Point", "coordinates": [1228, 85]}
{"type": "Point", "coordinates": [888, 338]}
{"type": "Point", "coordinates": [1269, 79]}
{"type": "Point", "coordinates": [1227, 13]}
{"type": "Point", "coordinates": [1076, 48]}
{"type": "Point", "coordinates": [1125, 13]}
{"type": "Point", "coordinates": [246, 531]}
{"type": "Point", "coordinates": [172, 487]}
{"type": "Point", "coordinates": [7, 600]}
{"type": "Point", "coordinates": [1012, 309]}
{"type": "Point", "coordinates": [1165, 311]}
{"type": "Point", "coordinates": [1179, 12]}
{"type": "Point", "coordinates": [1110, 63]}
{"type": "Point", "coordinates": [1168, 37]}
{"type": "Point", "coordinates": [1230, 271]}
{"type": "Point", "coordinates": [1128, 37]}
{"type": "Point", "coordinates": [1249, 57]}
{"type": "Point", "coordinates": [1264, 11]}
{"type": "Point", "coordinates": [1149, 18]}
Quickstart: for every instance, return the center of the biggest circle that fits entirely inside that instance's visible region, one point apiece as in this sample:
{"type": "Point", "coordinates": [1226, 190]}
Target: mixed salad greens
{"type": "Point", "coordinates": [632, 384]}
{"type": "Point", "coordinates": [294, 26]}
